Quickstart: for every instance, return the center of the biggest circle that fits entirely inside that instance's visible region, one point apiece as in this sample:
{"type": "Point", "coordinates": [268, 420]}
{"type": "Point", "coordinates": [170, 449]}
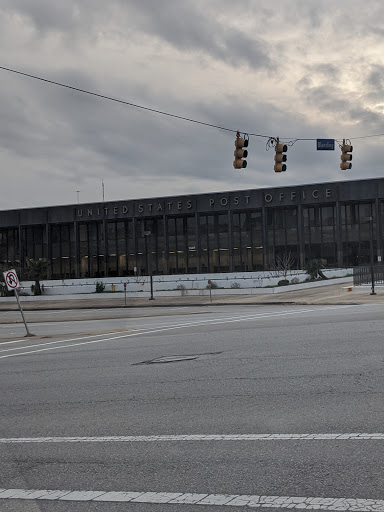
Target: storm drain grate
{"type": "Point", "coordinates": [177, 358]}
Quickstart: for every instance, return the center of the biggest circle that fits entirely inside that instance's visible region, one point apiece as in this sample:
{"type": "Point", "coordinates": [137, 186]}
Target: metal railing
{"type": "Point", "coordinates": [363, 275]}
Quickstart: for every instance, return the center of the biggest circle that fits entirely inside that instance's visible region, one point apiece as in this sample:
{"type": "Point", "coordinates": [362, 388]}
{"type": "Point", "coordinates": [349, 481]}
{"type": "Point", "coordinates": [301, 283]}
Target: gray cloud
{"type": "Point", "coordinates": [328, 98]}
{"type": "Point", "coordinates": [277, 72]}
{"type": "Point", "coordinates": [375, 78]}
{"type": "Point", "coordinates": [52, 17]}
{"type": "Point", "coordinates": [186, 26]}
{"type": "Point", "coordinates": [191, 26]}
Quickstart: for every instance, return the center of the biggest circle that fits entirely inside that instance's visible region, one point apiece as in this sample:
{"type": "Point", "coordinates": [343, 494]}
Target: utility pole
{"type": "Point", "coordinates": [102, 189]}
{"type": "Point", "coordinates": [372, 257]}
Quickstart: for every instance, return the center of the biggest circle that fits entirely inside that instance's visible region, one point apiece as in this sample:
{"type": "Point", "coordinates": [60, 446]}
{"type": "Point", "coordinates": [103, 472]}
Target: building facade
{"type": "Point", "coordinates": [221, 232]}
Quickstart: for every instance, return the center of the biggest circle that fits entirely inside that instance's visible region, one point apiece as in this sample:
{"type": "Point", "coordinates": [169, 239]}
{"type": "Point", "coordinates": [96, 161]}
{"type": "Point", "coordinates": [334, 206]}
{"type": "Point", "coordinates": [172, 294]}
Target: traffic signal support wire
{"type": "Point", "coordinates": [289, 140]}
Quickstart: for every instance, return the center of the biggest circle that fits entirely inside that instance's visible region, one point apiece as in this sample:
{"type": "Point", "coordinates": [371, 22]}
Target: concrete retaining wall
{"type": "Point", "coordinates": [195, 284]}
{"type": "Point", "coordinates": [190, 293]}
{"type": "Point", "coordinates": [231, 281]}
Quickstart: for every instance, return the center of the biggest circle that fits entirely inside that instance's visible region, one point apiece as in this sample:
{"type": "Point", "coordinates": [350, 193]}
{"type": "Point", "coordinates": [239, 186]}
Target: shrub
{"type": "Point", "coordinates": [314, 268]}
{"type": "Point", "coordinates": [182, 288]}
{"type": "Point", "coordinates": [4, 291]}
{"type": "Point", "coordinates": [235, 285]}
{"type": "Point", "coordinates": [37, 270]}
{"type": "Point", "coordinates": [100, 286]}
{"type": "Point", "coordinates": [295, 280]}
{"type": "Point", "coordinates": [283, 282]}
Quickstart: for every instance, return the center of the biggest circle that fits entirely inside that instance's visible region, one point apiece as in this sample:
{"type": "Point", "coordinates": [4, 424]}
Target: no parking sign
{"type": "Point", "coordinates": [11, 280]}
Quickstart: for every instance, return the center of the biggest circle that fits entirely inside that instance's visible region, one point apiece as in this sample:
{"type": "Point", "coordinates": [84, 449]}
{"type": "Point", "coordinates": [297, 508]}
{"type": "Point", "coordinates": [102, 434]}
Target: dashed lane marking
{"type": "Point", "coordinates": [234, 500]}
{"type": "Point", "coordinates": [362, 436]}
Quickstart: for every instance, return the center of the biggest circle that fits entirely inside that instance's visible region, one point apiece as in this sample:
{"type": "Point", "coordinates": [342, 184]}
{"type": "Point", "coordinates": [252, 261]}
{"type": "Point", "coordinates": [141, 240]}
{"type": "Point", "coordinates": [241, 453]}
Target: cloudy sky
{"type": "Point", "coordinates": [289, 69]}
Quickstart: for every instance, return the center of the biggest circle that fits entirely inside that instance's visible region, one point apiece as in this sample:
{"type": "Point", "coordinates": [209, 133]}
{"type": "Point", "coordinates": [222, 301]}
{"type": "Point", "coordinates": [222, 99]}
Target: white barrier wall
{"type": "Point", "coordinates": [176, 283]}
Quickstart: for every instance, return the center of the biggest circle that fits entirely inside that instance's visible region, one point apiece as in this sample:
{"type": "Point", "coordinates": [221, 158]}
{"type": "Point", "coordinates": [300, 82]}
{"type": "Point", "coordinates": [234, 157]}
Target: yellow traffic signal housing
{"type": "Point", "coordinates": [240, 153]}
{"type": "Point", "coordinates": [280, 157]}
{"type": "Point", "coordinates": [346, 157]}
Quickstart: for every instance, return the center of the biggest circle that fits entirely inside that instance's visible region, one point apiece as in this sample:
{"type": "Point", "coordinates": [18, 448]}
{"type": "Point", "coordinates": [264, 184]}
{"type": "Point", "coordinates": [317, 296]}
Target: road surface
{"type": "Point", "coordinates": [244, 406]}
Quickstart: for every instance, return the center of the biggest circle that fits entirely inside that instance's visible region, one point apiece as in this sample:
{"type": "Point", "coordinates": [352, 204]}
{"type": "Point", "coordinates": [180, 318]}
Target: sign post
{"type": "Point", "coordinates": [125, 294]}
{"type": "Point", "coordinates": [210, 289]}
{"type": "Point", "coordinates": [12, 282]}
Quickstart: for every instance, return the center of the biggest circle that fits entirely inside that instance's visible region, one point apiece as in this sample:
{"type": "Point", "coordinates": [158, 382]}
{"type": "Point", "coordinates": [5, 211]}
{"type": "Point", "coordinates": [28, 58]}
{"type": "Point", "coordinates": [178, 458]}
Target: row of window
{"type": "Point", "coordinates": [202, 243]}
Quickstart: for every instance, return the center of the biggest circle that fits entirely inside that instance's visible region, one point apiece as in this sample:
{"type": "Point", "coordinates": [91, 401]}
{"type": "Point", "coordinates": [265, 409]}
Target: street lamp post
{"type": "Point", "coordinates": [147, 234]}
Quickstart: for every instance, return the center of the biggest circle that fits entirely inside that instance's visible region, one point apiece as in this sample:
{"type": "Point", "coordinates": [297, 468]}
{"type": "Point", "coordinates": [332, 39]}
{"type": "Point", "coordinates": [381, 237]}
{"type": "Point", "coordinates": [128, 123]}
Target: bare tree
{"type": "Point", "coordinates": [283, 264]}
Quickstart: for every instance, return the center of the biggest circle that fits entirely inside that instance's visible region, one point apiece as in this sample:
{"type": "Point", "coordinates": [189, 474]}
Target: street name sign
{"type": "Point", "coordinates": [325, 144]}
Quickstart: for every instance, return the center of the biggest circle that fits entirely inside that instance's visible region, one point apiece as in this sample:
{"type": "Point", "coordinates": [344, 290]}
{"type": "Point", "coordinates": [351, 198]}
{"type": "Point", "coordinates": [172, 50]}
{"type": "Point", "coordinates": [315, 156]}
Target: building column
{"type": "Point", "coordinates": [300, 236]}
{"type": "Point", "coordinates": [103, 246]}
{"type": "Point", "coordinates": [265, 241]}
{"type": "Point", "coordinates": [48, 254]}
{"type": "Point", "coordinates": [135, 265]}
{"type": "Point", "coordinates": [21, 251]}
{"type": "Point", "coordinates": [166, 244]}
{"type": "Point", "coordinates": [198, 248]}
{"type": "Point", "coordinates": [339, 234]}
{"type": "Point", "coordinates": [76, 248]}
{"type": "Point", "coordinates": [379, 241]}
{"type": "Point", "coordinates": [230, 241]}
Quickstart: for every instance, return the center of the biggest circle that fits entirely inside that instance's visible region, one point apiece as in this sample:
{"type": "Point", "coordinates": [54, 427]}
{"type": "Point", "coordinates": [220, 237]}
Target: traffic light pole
{"type": "Point", "coordinates": [151, 282]}
{"type": "Point", "coordinates": [372, 258]}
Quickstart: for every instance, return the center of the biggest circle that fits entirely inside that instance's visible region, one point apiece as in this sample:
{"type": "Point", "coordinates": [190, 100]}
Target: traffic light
{"type": "Point", "coordinates": [240, 153]}
{"type": "Point", "coordinates": [280, 157]}
{"type": "Point", "coordinates": [346, 157]}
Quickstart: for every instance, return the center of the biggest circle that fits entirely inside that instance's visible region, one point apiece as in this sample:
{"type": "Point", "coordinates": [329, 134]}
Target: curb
{"type": "Point", "coordinates": [175, 305]}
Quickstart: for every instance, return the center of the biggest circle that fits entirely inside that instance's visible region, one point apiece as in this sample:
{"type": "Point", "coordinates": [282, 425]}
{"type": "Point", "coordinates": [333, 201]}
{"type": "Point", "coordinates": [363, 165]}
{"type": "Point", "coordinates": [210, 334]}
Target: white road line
{"type": "Point", "coordinates": [184, 324]}
{"type": "Point", "coordinates": [14, 341]}
{"type": "Point", "coordinates": [234, 500]}
{"type": "Point", "coordinates": [256, 316]}
{"type": "Point", "coordinates": [137, 329]}
{"type": "Point", "coordinates": [362, 436]}
{"type": "Point", "coordinates": [58, 341]}
{"type": "Point", "coordinates": [143, 331]}
{"type": "Point", "coordinates": [149, 331]}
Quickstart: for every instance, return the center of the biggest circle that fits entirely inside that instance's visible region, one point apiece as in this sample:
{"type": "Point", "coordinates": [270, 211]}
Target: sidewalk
{"type": "Point", "coordinates": [331, 294]}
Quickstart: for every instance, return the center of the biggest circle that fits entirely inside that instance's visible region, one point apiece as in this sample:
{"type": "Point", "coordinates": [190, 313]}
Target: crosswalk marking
{"type": "Point", "coordinates": [355, 436]}
{"type": "Point", "coordinates": [235, 500]}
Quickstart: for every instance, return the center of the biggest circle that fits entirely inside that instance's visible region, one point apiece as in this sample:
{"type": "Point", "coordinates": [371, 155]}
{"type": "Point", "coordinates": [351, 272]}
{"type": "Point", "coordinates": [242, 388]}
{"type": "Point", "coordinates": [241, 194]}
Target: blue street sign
{"type": "Point", "coordinates": [325, 144]}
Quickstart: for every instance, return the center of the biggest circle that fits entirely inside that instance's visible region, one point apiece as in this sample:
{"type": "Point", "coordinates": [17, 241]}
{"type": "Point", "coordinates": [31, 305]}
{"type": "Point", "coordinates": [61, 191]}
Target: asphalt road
{"type": "Point", "coordinates": [83, 403]}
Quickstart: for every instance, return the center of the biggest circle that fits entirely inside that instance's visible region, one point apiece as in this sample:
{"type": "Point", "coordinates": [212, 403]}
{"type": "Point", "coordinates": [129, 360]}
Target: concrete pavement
{"type": "Point", "coordinates": [311, 378]}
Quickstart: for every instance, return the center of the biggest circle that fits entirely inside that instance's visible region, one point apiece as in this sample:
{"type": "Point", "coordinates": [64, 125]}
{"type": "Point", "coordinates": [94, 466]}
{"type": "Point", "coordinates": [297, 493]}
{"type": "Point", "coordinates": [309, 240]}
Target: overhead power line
{"type": "Point", "coordinates": [148, 109]}
{"type": "Point", "coordinates": [110, 98]}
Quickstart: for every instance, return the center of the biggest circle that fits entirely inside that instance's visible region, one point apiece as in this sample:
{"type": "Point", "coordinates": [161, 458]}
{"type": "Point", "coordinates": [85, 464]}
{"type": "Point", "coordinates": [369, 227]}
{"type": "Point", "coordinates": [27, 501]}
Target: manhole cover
{"type": "Point", "coordinates": [177, 358]}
